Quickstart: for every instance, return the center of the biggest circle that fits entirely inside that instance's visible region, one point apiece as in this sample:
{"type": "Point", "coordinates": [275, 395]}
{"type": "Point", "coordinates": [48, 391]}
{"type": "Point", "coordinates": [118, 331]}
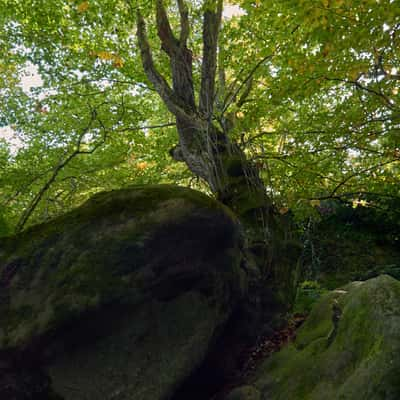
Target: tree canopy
{"type": "Point", "coordinates": [308, 89]}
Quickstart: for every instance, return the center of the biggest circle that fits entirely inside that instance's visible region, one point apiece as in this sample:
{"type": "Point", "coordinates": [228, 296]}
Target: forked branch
{"type": "Point", "coordinates": [160, 84]}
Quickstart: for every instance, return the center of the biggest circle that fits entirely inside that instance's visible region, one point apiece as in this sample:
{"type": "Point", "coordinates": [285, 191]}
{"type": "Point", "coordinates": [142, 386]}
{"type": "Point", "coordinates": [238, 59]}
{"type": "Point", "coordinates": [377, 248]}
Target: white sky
{"type": "Point", "coordinates": [232, 11]}
{"type": "Point", "coordinates": [30, 79]}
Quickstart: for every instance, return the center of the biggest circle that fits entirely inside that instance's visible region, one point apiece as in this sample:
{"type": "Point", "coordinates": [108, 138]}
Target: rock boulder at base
{"type": "Point", "coordinates": [348, 348]}
{"type": "Point", "coordinates": [119, 299]}
{"type": "Point", "coordinates": [244, 393]}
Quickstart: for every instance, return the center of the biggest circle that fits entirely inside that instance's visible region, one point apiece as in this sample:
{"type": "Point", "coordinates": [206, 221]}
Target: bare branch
{"type": "Point", "coordinates": [211, 24]}
{"type": "Point", "coordinates": [357, 193]}
{"type": "Point", "coordinates": [138, 128]}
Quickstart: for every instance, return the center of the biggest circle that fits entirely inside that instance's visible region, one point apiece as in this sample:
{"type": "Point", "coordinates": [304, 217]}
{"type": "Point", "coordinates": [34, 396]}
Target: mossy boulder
{"type": "Point", "coordinates": [348, 348]}
{"type": "Point", "coordinates": [119, 299]}
{"type": "Point", "coordinates": [244, 393]}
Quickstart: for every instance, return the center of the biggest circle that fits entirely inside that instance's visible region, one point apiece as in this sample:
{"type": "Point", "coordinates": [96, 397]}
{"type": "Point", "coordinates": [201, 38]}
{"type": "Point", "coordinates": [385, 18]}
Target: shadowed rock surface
{"type": "Point", "coordinates": [119, 299]}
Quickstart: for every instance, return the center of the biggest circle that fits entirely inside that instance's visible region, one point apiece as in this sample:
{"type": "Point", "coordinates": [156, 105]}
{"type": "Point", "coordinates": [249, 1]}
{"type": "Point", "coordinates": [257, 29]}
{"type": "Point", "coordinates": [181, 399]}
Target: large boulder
{"type": "Point", "coordinates": [120, 299]}
{"type": "Point", "coordinates": [348, 348]}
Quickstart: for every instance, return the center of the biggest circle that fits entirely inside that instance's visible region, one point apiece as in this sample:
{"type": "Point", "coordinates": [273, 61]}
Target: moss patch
{"type": "Point", "coordinates": [353, 354]}
{"type": "Point", "coordinates": [98, 254]}
{"type": "Point", "coordinates": [122, 297]}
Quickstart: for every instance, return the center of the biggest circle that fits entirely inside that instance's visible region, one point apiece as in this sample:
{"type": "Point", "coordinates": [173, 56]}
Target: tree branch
{"type": "Point", "coordinates": [230, 98]}
{"type": "Point", "coordinates": [57, 169]}
{"type": "Point", "coordinates": [365, 170]}
{"type": "Point", "coordinates": [158, 81]}
{"type": "Point", "coordinates": [385, 99]}
{"type": "Point", "coordinates": [139, 128]}
{"type": "Point", "coordinates": [168, 41]}
{"type": "Point", "coordinates": [211, 24]}
{"type": "Point", "coordinates": [357, 193]}
{"type": "Point", "coordinates": [185, 27]}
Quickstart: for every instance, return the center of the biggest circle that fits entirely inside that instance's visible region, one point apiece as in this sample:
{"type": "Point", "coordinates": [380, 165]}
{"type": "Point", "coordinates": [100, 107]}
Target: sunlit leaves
{"type": "Point", "coordinates": [322, 118]}
{"type": "Point", "coordinates": [115, 59]}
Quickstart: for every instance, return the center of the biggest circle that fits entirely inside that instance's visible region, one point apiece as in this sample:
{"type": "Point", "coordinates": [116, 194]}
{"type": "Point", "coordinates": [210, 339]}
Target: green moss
{"type": "Point", "coordinates": [308, 292]}
{"type": "Point", "coordinates": [356, 363]}
{"type": "Point", "coordinates": [247, 392]}
{"type": "Point", "coordinates": [319, 322]}
{"type": "Point", "coordinates": [95, 254]}
{"type": "Point", "coordinates": [133, 287]}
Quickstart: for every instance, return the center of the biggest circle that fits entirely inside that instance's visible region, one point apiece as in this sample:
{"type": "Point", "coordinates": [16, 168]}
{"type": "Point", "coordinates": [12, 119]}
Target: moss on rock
{"type": "Point", "coordinates": [122, 296]}
{"type": "Point", "coordinates": [247, 392]}
{"type": "Point", "coordinates": [348, 348]}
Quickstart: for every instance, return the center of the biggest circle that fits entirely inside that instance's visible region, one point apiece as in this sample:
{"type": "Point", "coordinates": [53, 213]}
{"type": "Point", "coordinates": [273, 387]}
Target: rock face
{"type": "Point", "coordinates": [119, 299]}
{"type": "Point", "coordinates": [348, 348]}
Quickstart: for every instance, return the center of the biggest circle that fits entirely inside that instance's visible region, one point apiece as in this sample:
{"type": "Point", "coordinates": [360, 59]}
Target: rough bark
{"type": "Point", "coordinates": [203, 146]}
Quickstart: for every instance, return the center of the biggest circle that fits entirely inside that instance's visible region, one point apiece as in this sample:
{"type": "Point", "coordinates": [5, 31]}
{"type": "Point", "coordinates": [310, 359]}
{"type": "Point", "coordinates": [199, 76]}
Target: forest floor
{"type": "Point", "coordinates": [255, 355]}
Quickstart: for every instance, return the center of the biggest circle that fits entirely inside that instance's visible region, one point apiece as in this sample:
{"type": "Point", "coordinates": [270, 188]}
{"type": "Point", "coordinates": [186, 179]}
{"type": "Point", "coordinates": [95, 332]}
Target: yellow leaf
{"type": "Point", "coordinates": [338, 3]}
{"type": "Point", "coordinates": [105, 55]}
{"type": "Point", "coordinates": [142, 165]}
{"type": "Point", "coordinates": [118, 62]}
{"type": "Point", "coordinates": [315, 203]}
{"type": "Point", "coordinates": [83, 7]}
{"type": "Point", "coordinates": [301, 68]}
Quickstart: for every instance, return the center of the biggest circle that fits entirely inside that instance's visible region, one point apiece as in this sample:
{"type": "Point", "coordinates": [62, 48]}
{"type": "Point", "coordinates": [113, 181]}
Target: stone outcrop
{"type": "Point", "coordinates": [348, 349]}
{"type": "Point", "coordinates": [119, 299]}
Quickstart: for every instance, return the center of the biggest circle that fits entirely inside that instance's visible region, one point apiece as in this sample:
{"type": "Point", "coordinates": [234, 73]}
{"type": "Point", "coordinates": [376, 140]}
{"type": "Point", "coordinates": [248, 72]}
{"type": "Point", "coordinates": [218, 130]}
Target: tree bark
{"type": "Point", "coordinates": [206, 148]}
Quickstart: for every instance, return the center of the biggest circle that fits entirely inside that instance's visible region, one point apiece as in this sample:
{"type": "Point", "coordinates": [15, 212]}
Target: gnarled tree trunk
{"type": "Point", "coordinates": [204, 146]}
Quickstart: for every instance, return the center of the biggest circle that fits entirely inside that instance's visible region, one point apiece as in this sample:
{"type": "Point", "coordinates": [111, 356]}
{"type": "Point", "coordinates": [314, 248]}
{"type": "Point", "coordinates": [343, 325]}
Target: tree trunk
{"type": "Point", "coordinates": [234, 180]}
{"type": "Point", "coordinates": [203, 146]}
